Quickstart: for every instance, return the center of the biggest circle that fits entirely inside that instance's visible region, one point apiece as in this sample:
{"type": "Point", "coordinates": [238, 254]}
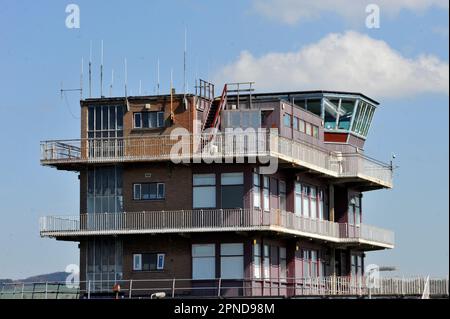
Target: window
{"type": "Point", "coordinates": [313, 202]}
{"type": "Point", "coordinates": [148, 119]}
{"type": "Point", "coordinates": [354, 265]}
{"type": "Point", "coordinates": [137, 120]}
{"type": "Point", "coordinates": [321, 205]}
{"type": "Point", "coordinates": [315, 131]}
{"type": "Point", "coordinates": [104, 185]}
{"type": "Point", "coordinates": [203, 261]}
{"type": "Point", "coordinates": [148, 262]}
{"type": "Point", "coordinates": [314, 263]}
{"type": "Point", "coordinates": [295, 123]}
{"type": "Point", "coordinates": [266, 198]}
{"type": "Point", "coordinates": [298, 199]}
{"type": "Point", "coordinates": [232, 190]}
{"type": "Point", "coordinates": [306, 192]}
{"type": "Point", "coordinates": [308, 129]}
{"type": "Point", "coordinates": [256, 191]}
{"type": "Point", "coordinates": [137, 262]}
{"type": "Point", "coordinates": [315, 106]}
{"type": "Point", "coordinates": [282, 186]}
{"type": "Point", "coordinates": [287, 119]}
{"type": "Point", "coordinates": [257, 261]}
{"type": "Point", "coordinates": [204, 190]}
{"type": "Point", "coordinates": [310, 262]}
{"type": "Point", "coordinates": [309, 201]}
{"type": "Point", "coordinates": [301, 126]}
{"type": "Point", "coordinates": [266, 262]}
{"type": "Point", "coordinates": [283, 269]}
{"type": "Point", "coordinates": [305, 263]}
{"type": "Point", "coordinates": [149, 191]}
{"type": "Point", "coordinates": [354, 210]}
{"type": "Point", "coordinates": [232, 261]}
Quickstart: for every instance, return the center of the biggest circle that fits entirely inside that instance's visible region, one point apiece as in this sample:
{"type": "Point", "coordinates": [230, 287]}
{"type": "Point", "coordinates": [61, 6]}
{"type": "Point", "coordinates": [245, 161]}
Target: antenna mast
{"type": "Point", "coordinates": [126, 77]}
{"type": "Point", "coordinates": [157, 85]}
{"type": "Point", "coordinates": [90, 70]}
{"type": "Point", "coordinates": [101, 72]}
{"type": "Point", "coordinates": [184, 59]}
{"type": "Point", "coordinates": [112, 83]}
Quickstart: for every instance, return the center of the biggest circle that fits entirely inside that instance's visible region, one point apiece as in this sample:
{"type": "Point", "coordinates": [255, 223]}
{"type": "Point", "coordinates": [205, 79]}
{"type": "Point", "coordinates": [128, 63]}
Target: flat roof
{"type": "Point", "coordinates": [313, 92]}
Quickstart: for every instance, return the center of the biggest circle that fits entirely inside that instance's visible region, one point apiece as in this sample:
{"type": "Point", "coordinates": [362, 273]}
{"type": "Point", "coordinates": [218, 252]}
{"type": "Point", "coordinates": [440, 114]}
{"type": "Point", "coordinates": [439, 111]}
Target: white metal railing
{"type": "Point", "coordinates": [210, 220]}
{"type": "Point", "coordinates": [217, 145]}
{"type": "Point", "coordinates": [331, 286]}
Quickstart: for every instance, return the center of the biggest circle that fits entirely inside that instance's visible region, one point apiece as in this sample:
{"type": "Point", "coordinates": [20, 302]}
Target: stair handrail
{"type": "Point", "coordinates": [222, 103]}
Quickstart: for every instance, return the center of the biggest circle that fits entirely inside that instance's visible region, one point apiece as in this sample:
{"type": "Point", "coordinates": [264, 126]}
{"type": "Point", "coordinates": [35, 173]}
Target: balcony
{"type": "Point", "coordinates": [218, 220]}
{"type": "Point", "coordinates": [354, 167]}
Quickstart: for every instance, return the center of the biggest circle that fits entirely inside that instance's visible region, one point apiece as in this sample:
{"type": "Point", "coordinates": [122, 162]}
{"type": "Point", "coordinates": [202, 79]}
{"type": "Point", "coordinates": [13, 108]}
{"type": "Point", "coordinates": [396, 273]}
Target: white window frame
{"type": "Point", "coordinates": [266, 193]}
{"type": "Point", "coordinates": [266, 262]}
{"type": "Point", "coordinates": [137, 262]}
{"type": "Point", "coordinates": [160, 260]}
{"type": "Point", "coordinates": [256, 191]}
{"type": "Point", "coordinates": [158, 187]}
{"type": "Point", "coordinates": [257, 261]}
{"type": "Point", "coordinates": [140, 120]}
{"type": "Point", "coordinates": [135, 188]}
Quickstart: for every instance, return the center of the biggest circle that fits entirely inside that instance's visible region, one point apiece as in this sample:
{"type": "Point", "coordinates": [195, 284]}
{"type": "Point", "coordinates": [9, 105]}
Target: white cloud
{"type": "Point", "coordinates": [295, 11]}
{"type": "Point", "coordinates": [347, 62]}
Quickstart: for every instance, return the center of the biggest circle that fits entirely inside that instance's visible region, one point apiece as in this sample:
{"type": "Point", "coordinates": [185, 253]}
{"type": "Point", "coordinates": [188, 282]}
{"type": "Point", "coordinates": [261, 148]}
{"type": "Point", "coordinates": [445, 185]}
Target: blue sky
{"type": "Point", "coordinates": [37, 52]}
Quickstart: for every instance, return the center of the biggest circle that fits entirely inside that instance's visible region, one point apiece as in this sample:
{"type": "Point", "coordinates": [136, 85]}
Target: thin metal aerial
{"type": "Point", "coordinates": [126, 77]}
{"type": "Point", "coordinates": [101, 72]}
{"type": "Point", "coordinates": [158, 84]}
{"type": "Point", "coordinates": [90, 69]}
{"type": "Point", "coordinates": [112, 83]}
{"type": "Point", "coordinates": [184, 60]}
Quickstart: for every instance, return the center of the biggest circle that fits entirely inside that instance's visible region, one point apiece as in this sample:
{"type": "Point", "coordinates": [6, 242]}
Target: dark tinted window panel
{"type": "Point", "coordinates": [232, 196]}
{"type": "Point", "coordinates": [91, 118]}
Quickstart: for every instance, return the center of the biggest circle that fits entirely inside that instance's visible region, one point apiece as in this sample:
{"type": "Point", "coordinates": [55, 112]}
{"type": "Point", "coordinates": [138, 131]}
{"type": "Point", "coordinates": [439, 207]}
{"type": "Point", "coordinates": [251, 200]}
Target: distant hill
{"type": "Point", "coordinates": [52, 277]}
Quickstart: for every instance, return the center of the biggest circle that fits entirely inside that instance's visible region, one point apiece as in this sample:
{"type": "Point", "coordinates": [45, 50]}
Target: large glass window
{"type": "Point", "coordinates": [105, 125]}
{"type": "Point", "coordinates": [232, 190]}
{"type": "Point", "coordinates": [282, 186]}
{"type": "Point", "coordinates": [266, 193]}
{"type": "Point", "coordinates": [283, 264]}
{"type": "Point", "coordinates": [256, 191]}
{"type": "Point", "coordinates": [232, 261]}
{"type": "Point", "coordinates": [104, 186]}
{"type": "Point", "coordinates": [204, 191]}
{"type": "Point", "coordinates": [266, 262]}
{"type": "Point", "coordinates": [346, 113]}
{"type": "Point", "coordinates": [203, 261]}
{"type": "Point", "coordinates": [331, 113]}
{"type": "Point", "coordinates": [298, 199]}
{"type": "Point", "coordinates": [257, 260]}
{"type": "Point", "coordinates": [310, 263]}
{"type": "Point", "coordinates": [315, 106]}
{"type": "Point", "coordinates": [104, 263]}
{"type": "Point", "coordinates": [354, 210]}
{"type": "Point", "coordinates": [305, 208]}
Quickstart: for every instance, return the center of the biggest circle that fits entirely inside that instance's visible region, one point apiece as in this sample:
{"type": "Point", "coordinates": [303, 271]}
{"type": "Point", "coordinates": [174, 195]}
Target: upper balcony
{"type": "Point", "coordinates": [352, 167]}
{"type": "Point", "coordinates": [217, 220]}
